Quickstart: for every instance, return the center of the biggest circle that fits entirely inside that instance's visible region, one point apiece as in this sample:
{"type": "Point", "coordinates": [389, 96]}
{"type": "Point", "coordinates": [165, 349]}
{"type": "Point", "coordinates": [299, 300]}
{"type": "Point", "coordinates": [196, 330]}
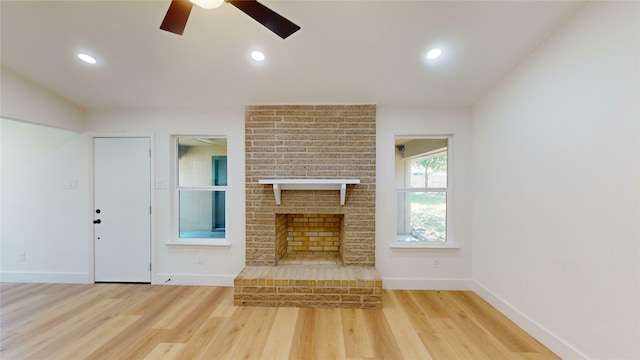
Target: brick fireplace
{"type": "Point", "coordinates": [310, 230]}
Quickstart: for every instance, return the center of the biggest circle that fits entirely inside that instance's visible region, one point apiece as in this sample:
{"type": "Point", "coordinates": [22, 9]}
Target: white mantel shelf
{"type": "Point", "coordinates": [309, 184]}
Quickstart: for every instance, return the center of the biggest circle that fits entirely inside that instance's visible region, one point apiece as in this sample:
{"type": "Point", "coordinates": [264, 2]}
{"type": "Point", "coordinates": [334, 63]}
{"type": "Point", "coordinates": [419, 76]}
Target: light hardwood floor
{"type": "Point", "coordinates": [128, 321]}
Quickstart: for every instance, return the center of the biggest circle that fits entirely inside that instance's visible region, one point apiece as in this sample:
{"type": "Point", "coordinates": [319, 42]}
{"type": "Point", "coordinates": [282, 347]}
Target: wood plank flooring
{"type": "Point", "coordinates": [132, 321]}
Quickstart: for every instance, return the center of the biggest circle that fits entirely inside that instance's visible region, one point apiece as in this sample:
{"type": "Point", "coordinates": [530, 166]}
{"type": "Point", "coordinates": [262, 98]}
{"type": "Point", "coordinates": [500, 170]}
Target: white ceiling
{"type": "Point", "coordinates": [346, 51]}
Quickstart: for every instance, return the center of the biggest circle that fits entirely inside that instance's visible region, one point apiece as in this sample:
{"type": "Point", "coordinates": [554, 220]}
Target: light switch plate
{"type": "Point", "coordinates": [161, 184]}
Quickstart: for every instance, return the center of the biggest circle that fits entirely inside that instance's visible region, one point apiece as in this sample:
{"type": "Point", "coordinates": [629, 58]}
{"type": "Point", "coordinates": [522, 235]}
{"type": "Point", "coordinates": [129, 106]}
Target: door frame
{"type": "Point", "coordinates": [92, 198]}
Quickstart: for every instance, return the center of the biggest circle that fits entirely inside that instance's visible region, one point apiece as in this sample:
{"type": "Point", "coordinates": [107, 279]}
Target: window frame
{"type": "Point", "coordinates": [177, 189]}
{"type": "Point", "coordinates": [450, 242]}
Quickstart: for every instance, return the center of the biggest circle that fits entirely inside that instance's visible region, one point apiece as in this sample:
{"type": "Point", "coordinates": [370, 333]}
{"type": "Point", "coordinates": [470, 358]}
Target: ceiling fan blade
{"type": "Point", "coordinates": [267, 17]}
{"type": "Point", "coordinates": [177, 16]}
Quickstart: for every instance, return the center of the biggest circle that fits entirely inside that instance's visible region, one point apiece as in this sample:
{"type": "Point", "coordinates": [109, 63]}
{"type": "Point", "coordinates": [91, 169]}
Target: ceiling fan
{"type": "Point", "coordinates": [176, 18]}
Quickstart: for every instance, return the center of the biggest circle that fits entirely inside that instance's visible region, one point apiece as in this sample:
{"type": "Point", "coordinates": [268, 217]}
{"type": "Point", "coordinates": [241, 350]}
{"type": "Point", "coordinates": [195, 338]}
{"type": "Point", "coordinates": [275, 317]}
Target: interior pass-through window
{"type": "Point", "coordinates": [201, 187]}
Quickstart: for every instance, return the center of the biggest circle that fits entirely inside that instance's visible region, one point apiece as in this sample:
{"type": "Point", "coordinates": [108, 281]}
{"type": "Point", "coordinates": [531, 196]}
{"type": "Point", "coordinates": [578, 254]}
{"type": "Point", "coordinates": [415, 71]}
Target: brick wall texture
{"type": "Point", "coordinates": [305, 142]}
{"type": "Point", "coordinates": [312, 232]}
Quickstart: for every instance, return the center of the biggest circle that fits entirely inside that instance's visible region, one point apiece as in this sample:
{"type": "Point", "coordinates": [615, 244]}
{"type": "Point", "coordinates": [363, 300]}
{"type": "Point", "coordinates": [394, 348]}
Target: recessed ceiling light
{"type": "Point", "coordinates": [257, 55]}
{"type": "Point", "coordinates": [87, 58]}
{"type": "Point", "coordinates": [434, 54]}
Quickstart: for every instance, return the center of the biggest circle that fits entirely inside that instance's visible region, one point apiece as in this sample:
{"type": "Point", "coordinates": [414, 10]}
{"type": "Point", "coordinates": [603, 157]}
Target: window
{"type": "Point", "coordinates": [422, 190]}
{"type": "Point", "coordinates": [201, 187]}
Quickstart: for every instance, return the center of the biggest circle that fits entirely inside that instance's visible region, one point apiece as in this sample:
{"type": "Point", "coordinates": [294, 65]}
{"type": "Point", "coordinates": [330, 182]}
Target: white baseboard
{"type": "Point", "coordinates": [193, 279]}
{"type": "Point", "coordinates": [425, 284]}
{"type": "Point", "coordinates": [45, 277]}
{"type": "Point", "coordinates": [546, 337]}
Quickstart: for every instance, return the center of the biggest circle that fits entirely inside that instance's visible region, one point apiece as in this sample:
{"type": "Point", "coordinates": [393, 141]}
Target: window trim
{"type": "Point", "coordinates": [176, 240]}
{"type": "Point", "coordinates": [450, 242]}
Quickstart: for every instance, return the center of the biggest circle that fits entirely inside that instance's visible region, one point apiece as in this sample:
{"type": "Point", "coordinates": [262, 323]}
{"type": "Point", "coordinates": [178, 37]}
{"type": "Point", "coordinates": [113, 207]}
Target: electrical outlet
{"type": "Point", "coordinates": [436, 263]}
{"type": "Point", "coordinates": [199, 260]}
{"type": "Point", "coordinates": [22, 256]}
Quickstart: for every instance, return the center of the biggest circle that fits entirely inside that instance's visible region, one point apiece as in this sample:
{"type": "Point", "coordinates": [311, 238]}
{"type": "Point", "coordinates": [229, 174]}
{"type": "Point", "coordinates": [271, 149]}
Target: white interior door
{"type": "Point", "coordinates": [122, 225]}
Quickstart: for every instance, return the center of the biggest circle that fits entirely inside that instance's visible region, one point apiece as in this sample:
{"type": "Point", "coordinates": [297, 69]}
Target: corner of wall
{"type": "Point", "coordinates": [546, 337]}
{"type": "Point", "coordinates": [24, 100]}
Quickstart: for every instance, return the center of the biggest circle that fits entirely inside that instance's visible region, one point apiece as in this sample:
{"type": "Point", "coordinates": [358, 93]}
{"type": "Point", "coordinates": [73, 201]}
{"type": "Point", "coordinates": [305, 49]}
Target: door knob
{"type": "Point", "coordinates": [98, 221]}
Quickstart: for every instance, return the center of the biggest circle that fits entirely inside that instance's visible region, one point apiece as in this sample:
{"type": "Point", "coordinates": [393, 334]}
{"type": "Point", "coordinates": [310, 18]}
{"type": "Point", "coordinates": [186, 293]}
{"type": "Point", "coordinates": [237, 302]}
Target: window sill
{"type": "Point", "coordinates": [219, 243]}
{"type": "Point", "coordinates": [424, 246]}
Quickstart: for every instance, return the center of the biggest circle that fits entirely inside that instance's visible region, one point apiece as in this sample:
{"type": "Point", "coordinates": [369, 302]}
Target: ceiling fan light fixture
{"type": "Point", "coordinates": [177, 15]}
{"type": "Point", "coordinates": [208, 4]}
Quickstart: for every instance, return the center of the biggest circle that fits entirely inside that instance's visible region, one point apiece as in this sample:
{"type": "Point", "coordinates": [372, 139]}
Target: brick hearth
{"type": "Point", "coordinates": [309, 286]}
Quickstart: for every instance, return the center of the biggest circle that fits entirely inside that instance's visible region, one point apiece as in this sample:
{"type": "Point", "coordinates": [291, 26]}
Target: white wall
{"type": "Point", "coordinates": [413, 268]}
{"type": "Point", "coordinates": [556, 188]}
{"type": "Point", "coordinates": [27, 101]}
{"type": "Point", "coordinates": [41, 216]}
{"type": "Point", "coordinates": [178, 263]}
{"type": "Point", "coordinates": [400, 268]}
